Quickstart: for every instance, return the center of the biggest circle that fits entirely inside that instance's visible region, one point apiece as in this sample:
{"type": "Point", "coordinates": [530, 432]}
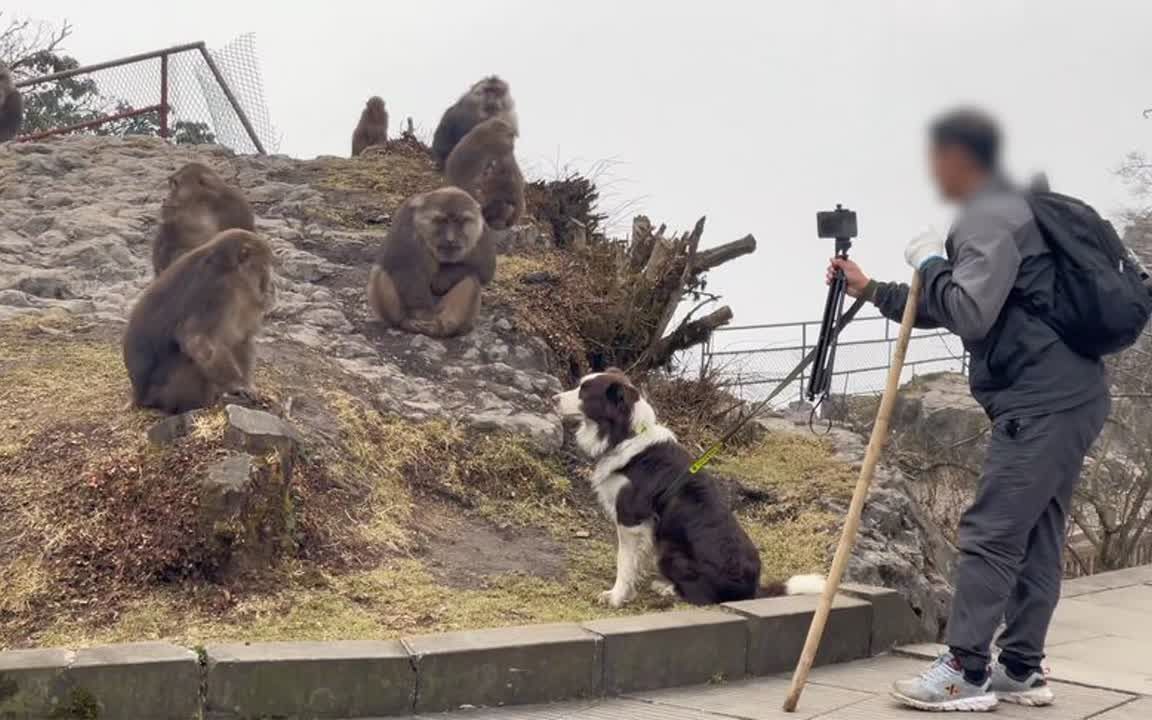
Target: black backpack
{"type": "Point", "coordinates": [1101, 300]}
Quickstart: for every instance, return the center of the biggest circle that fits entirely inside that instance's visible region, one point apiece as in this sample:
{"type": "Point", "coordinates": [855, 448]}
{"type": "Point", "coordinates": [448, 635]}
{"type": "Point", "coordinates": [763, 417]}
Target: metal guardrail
{"type": "Point", "coordinates": [162, 92]}
{"type": "Point", "coordinates": [751, 360]}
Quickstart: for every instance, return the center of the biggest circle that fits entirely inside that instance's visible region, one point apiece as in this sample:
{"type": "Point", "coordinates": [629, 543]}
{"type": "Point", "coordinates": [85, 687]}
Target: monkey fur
{"type": "Point", "coordinates": [429, 273]}
{"type": "Point", "coordinates": [199, 206]}
{"type": "Point", "coordinates": [484, 164]}
{"type": "Point", "coordinates": [11, 106]}
{"type": "Point", "coordinates": [487, 98]}
{"type": "Point", "coordinates": [190, 334]}
{"type": "Point", "coordinates": [373, 127]}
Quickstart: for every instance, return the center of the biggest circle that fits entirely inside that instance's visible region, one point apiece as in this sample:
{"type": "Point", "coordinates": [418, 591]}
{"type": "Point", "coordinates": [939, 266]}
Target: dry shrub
{"type": "Point", "coordinates": [698, 410]}
{"type": "Point", "coordinates": [566, 206]}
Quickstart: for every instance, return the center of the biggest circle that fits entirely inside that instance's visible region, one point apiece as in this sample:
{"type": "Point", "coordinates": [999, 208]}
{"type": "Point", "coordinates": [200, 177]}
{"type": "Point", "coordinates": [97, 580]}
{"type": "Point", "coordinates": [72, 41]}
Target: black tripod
{"type": "Point", "coordinates": [825, 353]}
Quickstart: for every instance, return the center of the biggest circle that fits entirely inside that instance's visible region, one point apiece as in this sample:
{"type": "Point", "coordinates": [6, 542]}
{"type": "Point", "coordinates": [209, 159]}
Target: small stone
{"type": "Point", "coordinates": [496, 353]}
{"type": "Point", "coordinates": [583, 534]}
{"type": "Point", "coordinates": [503, 324]}
{"type": "Point", "coordinates": [171, 429]}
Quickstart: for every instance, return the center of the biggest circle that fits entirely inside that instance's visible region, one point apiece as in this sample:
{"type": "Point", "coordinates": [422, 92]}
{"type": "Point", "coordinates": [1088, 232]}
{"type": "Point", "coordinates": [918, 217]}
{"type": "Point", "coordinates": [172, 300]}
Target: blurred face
{"type": "Point", "coordinates": [951, 170]}
{"type": "Point", "coordinates": [958, 174]}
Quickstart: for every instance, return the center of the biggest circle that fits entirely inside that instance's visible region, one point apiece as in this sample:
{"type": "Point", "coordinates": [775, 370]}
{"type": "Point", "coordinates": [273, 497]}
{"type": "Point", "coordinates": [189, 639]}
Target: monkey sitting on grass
{"type": "Point", "coordinates": [190, 335]}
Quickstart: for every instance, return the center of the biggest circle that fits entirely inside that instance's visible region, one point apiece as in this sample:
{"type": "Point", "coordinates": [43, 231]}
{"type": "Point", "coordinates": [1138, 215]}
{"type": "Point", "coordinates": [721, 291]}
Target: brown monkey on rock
{"type": "Point", "coordinates": [198, 207]}
{"type": "Point", "coordinates": [373, 127]}
{"type": "Point", "coordinates": [486, 99]}
{"type": "Point", "coordinates": [190, 335]}
{"type": "Point", "coordinates": [436, 258]}
{"type": "Point", "coordinates": [484, 164]}
{"type": "Point", "coordinates": [11, 105]}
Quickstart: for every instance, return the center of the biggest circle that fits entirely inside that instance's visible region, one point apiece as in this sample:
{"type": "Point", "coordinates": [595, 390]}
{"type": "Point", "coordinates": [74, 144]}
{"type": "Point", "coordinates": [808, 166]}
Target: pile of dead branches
{"type": "Point", "coordinates": [654, 273]}
{"type": "Point", "coordinates": [600, 302]}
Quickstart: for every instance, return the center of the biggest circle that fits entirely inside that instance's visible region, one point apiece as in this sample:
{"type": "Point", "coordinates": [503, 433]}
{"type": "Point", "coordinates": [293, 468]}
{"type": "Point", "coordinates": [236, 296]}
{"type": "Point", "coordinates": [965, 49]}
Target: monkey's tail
{"type": "Point", "coordinates": [795, 585]}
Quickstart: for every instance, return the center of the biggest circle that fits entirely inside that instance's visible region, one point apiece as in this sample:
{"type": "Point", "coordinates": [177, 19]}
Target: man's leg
{"type": "Point", "coordinates": [1019, 677]}
{"type": "Point", "coordinates": [1025, 470]}
{"type": "Point", "coordinates": [1021, 479]}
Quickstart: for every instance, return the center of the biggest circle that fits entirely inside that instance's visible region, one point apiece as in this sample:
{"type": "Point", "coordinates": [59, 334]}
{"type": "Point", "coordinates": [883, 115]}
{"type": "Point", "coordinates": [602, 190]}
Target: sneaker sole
{"type": "Point", "coordinates": [1039, 697]}
{"type": "Point", "coordinates": [979, 703]}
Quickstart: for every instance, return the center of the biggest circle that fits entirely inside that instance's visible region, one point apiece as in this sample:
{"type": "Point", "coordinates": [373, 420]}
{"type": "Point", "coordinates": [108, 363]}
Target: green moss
{"type": "Point", "coordinates": [81, 705]}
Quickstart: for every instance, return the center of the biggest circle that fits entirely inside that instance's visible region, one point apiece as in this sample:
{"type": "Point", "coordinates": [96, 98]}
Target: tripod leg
{"type": "Point", "coordinates": [856, 509]}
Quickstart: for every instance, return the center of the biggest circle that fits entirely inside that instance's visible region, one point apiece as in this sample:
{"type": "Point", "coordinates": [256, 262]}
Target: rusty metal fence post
{"type": "Point", "coordinates": [164, 97]}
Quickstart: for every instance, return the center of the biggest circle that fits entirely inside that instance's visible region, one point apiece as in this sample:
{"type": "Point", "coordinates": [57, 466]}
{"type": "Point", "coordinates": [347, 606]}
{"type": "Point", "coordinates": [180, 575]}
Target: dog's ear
{"type": "Point", "coordinates": [621, 393]}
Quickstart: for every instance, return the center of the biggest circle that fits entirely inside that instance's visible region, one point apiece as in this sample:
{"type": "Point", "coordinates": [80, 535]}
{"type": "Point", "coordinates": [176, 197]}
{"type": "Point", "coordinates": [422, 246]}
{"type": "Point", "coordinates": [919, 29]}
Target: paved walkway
{"type": "Point", "coordinates": [1099, 655]}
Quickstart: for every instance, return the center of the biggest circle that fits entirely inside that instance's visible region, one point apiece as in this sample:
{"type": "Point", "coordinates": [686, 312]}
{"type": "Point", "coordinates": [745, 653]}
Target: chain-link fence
{"type": "Point", "coordinates": [751, 360]}
{"type": "Point", "coordinates": [186, 93]}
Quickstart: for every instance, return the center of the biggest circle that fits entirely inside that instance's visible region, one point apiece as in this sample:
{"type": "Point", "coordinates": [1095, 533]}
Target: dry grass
{"type": "Point", "coordinates": [358, 570]}
{"type": "Point", "coordinates": [794, 533]}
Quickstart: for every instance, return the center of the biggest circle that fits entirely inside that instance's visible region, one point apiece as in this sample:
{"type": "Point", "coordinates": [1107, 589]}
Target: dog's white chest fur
{"type": "Point", "coordinates": [607, 480]}
{"type": "Point", "coordinates": [607, 490]}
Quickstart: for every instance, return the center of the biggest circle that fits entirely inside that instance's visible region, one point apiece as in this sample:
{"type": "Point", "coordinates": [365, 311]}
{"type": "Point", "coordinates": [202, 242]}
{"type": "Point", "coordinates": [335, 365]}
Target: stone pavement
{"type": "Point", "coordinates": [1098, 658]}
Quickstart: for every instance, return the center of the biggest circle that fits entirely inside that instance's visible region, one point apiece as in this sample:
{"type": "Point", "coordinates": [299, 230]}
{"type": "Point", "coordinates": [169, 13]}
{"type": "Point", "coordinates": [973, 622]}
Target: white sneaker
{"type": "Point", "coordinates": [1033, 691]}
{"type": "Point", "coordinates": [942, 688]}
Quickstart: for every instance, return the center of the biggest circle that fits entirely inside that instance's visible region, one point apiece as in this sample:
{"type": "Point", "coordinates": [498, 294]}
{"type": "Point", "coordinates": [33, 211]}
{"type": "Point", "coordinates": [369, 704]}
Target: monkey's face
{"type": "Point", "coordinates": [192, 184]}
{"type": "Point", "coordinates": [492, 94]}
{"type": "Point", "coordinates": [375, 109]}
{"type": "Point", "coordinates": [248, 254]}
{"type": "Point", "coordinates": [449, 223]}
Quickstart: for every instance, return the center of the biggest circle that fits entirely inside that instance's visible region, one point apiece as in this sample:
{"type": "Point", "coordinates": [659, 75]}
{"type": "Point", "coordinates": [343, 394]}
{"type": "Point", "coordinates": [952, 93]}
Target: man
{"type": "Point", "coordinates": [1047, 405]}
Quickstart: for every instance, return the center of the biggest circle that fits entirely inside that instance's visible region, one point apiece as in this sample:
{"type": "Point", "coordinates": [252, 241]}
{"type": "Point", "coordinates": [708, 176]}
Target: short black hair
{"type": "Point", "coordinates": [973, 130]}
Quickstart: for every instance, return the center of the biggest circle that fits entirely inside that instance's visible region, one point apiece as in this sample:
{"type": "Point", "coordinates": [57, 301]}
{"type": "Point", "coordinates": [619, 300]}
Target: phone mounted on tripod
{"type": "Point", "coordinates": [838, 225]}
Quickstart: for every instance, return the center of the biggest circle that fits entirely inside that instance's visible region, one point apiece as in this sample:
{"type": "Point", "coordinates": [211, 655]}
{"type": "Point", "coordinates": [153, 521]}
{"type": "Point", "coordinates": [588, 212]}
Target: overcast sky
{"type": "Point", "coordinates": [756, 114]}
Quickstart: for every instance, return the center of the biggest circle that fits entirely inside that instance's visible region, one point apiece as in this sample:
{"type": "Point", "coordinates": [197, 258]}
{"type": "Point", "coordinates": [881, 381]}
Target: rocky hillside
{"type": "Point", "coordinates": [428, 485]}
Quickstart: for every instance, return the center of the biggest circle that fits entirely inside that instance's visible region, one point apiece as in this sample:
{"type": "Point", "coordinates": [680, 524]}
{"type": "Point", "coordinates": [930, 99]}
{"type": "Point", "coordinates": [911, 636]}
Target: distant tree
{"type": "Point", "coordinates": [23, 39]}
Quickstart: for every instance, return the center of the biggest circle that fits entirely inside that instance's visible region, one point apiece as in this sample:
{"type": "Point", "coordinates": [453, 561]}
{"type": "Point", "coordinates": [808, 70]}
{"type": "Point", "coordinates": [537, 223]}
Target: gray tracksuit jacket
{"type": "Point", "coordinates": [998, 265]}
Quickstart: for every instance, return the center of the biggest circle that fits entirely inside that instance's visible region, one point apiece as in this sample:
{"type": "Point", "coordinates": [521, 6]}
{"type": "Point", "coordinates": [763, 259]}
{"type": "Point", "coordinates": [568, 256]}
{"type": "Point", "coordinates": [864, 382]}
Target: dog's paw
{"type": "Point", "coordinates": [663, 588]}
{"type": "Point", "coordinates": [615, 598]}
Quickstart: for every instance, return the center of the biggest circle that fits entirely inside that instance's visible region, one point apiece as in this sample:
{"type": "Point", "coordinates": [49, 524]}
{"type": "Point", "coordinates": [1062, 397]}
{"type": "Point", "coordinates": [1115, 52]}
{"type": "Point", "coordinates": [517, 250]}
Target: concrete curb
{"type": "Point", "coordinates": [435, 673]}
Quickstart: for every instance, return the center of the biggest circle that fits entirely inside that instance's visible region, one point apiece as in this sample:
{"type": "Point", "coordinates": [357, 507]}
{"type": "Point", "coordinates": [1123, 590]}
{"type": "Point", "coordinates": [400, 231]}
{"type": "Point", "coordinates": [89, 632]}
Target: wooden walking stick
{"type": "Point", "coordinates": [852, 522]}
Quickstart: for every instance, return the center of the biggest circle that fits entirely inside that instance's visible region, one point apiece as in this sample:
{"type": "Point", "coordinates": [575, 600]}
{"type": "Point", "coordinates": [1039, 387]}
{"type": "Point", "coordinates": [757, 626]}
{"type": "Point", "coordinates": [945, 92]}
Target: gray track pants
{"type": "Point", "coordinates": [1012, 537]}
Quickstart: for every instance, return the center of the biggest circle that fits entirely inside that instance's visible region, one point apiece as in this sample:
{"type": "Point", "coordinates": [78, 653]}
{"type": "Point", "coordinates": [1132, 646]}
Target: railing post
{"type": "Point", "coordinates": [803, 354]}
{"type": "Point", "coordinates": [164, 96]}
{"type": "Point", "coordinates": [231, 99]}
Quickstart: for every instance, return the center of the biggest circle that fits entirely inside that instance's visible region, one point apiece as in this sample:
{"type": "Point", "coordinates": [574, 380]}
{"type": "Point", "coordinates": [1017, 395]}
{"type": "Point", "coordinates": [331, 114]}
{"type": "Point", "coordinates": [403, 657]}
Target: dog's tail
{"type": "Point", "coordinates": [795, 585]}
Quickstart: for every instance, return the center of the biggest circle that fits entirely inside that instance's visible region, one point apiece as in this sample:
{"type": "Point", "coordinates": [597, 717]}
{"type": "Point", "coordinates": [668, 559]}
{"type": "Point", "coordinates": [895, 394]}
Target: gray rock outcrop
{"type": "Point", "coordinates": [898, 546]}
{"type": "Point", "coordinates": [77, 216]}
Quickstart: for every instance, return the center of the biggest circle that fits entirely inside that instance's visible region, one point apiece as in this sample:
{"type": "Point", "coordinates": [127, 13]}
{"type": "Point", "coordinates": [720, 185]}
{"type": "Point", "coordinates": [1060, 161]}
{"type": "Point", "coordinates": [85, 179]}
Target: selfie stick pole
{"type": "Point", "coordinates": [852, 522]}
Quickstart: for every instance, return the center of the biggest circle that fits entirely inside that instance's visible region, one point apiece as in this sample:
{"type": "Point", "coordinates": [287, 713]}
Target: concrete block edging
{"type": "Point", "coordinates": [436, 673]}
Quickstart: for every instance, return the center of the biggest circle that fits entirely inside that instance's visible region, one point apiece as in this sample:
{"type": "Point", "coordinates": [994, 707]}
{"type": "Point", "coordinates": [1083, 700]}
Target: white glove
{"type": "Point", "coordinates": [928, 244]}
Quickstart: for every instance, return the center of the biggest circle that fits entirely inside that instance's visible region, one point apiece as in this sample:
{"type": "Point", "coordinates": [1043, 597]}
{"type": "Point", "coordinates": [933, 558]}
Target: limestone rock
{"type": "Point", "coordinates": [898, 547]}
{"type": "Point", "coordinates": [171, 429]}
{"type": "Point", "coordinates": [257, 432]}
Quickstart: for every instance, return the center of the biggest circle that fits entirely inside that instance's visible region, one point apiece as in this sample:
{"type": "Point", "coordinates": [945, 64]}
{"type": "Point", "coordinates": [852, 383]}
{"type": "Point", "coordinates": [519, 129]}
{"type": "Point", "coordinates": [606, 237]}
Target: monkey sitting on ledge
{"type": "Point", "coordinates": [436, 258]}
{"type": "Point", "coordinates": [190, 335]}
{"type": "Point", "coordinates": [372, 129]}
{"type": "Point", "coordinates": [484, 164]}
{"type": "Point", "coordinates": [488, 98]}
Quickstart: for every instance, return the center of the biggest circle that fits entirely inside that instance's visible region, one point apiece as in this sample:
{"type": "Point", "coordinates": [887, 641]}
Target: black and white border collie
{"type": "Point", "coordinates": [683, 535]}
